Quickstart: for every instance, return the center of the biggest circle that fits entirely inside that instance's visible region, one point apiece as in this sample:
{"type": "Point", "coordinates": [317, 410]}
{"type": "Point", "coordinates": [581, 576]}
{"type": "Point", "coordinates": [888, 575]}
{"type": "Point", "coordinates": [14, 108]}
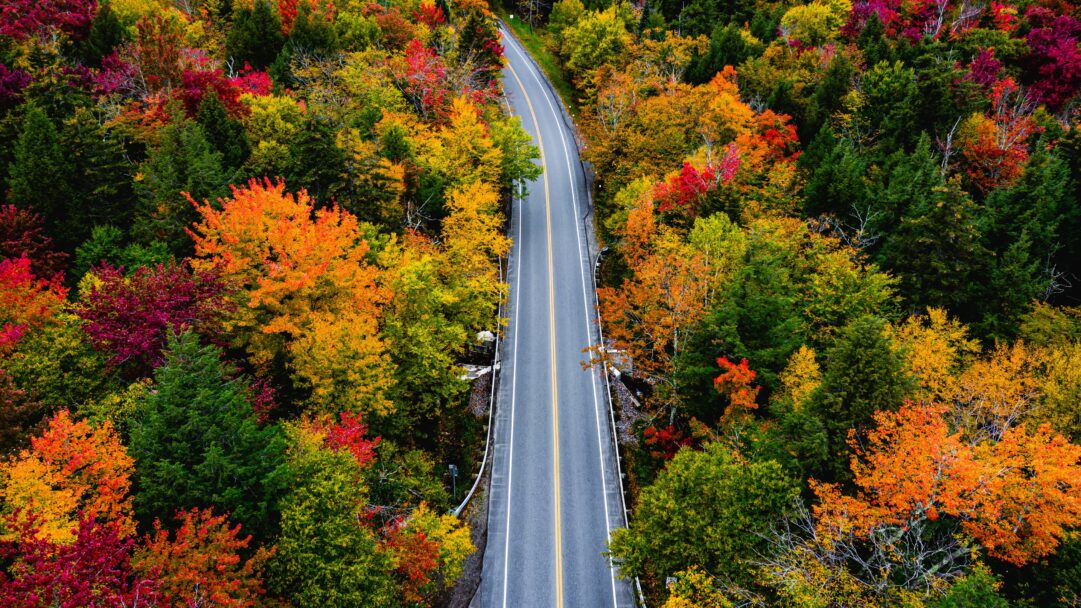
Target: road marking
{"type": "Point", "coordinates": [585, 303]}
{"type": "Point", "coordinates": [513, 397]}
{"type": "Point", "coordinates": [555, 392]}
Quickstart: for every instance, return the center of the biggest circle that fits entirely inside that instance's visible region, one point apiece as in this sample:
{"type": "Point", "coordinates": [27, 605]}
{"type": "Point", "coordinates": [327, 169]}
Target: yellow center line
{"type": "Point", "coordinates": [552, 335]}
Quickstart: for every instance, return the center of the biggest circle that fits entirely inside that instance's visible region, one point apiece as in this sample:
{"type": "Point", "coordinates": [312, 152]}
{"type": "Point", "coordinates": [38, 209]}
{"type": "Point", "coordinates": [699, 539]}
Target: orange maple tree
{"type": "Point", "coordinates": [72, 470]}
{"type": "Point", "coordinates": [306, 290]}
{"type": "Point", "coordinates": [201, 564]}
{"type": "Point", "coordinates": [1016, 496]}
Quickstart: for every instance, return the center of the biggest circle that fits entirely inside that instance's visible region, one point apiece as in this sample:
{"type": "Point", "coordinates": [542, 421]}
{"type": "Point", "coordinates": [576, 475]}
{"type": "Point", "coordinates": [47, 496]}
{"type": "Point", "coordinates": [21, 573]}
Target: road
{"type": "Point", "coordinates": [555, 492]}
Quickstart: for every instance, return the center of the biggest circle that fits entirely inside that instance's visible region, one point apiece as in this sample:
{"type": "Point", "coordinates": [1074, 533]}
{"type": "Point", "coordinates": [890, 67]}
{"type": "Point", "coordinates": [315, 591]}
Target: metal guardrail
{"type": "Point", "coordinates": [491, 409]}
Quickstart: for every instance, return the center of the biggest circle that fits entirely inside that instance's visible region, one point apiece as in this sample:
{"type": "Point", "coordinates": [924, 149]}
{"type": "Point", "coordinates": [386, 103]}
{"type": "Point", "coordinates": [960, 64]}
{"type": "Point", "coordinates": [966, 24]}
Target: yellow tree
{"type": "Point", "coordinates": [306, 291]}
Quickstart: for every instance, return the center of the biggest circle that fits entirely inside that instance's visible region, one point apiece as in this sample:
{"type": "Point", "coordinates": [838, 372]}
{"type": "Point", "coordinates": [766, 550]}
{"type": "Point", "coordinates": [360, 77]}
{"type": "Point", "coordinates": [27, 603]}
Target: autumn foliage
{"type": "Point", "coordinates": [1015, 495]}
{"type": "Point", "coordinates": [206, 561]}
{"type": "Point", "coordinates": [72, 471]}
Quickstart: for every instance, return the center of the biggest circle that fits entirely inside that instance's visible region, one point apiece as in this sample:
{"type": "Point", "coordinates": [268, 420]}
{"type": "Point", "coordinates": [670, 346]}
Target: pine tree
{"type": "Point", "coordinates": [863, 374]}
{"type": "Point", "coordinates": [312, 34]}
{"type": "Point", "coordinates": [106, 33]}
{"type": "Point", "coordinates": [223, 132]}
{"type": "Point", "coordinates": [323, 179]}
{"type": "Point", "coordinates": [936, 252]}
{"type": "Point", "coordinates": [103, 176]}
{"type": "Point", "coordinates": [40, 177]}
{"type": "Point", "coordinates": [256, 36]}
{"type": "Point", "coordinates": [196, 441]}
{"type": "Point", "coordinates": [828, 95]}
{"type": "Point", "coordinates": [182, 162]}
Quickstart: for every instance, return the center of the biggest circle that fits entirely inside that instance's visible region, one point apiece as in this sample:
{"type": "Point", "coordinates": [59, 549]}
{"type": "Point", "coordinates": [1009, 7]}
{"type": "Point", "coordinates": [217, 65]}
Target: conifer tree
{"type": "Point", "coordinates": [196, 441]}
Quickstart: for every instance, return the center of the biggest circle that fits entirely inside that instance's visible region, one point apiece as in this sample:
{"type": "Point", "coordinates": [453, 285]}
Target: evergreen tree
{"type": "Point", "coordinates": [872, 41]}
{"type": "Point", "coordinates": [828, 96]}
{"type": "Point", "coordinates": [891, 98]}
{"type": "Point", "coordinates": [103, 176]}
{"type": "Point", "coordinates": [41, 175]}
{"type": "Point", "coordinates": [256, 36]}
{"type": "Point", "coordinates": [312, 34]}
{"type": "Point", "coordinates": [227, 135]}
{"type": "Point", "coordinates": [106, 34]}
{"type": "Point", "coordinates": [726, 47]}
{"type": "Point", "coordinates": [182, 162]}
{"type": "Point", "coordinates": [196, 441]}
{"type": "Point", "coordinates": [936, 253]}
{"type": "Point", "coordinates": [322, 179]}
{"type": "Point", "coordinates": [837, 182]}
{"type": "Point", "coordinates": [863, 374]}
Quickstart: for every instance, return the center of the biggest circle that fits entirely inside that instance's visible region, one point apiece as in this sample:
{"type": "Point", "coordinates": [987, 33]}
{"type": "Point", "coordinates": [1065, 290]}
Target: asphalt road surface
{"type": "Point", "coordinates": [555, 494]}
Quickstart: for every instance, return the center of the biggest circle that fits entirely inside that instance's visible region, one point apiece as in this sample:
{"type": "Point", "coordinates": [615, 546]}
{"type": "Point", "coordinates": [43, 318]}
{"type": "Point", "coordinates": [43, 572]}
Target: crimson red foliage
{"type": "Point", "coordinates": [94, 571]}
{"type": "Point", "coordinates": [128, 317]}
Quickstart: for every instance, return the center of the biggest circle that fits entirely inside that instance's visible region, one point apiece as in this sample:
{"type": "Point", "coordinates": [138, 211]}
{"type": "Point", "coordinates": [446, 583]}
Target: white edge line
{"type": "Point", "coordinates": [513, 395]}
{"type": "Point", "coordinates": [588, 316]}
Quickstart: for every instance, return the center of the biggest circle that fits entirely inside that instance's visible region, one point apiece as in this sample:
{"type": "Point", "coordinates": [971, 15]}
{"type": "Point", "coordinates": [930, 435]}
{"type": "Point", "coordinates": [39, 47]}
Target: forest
{"type": "Point", "coordinates": [246, 246]}
{"type": "Point", "coordinates": [841, 282]}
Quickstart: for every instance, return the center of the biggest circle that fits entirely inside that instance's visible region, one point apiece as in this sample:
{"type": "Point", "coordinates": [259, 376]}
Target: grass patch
{"type": "Point", "coordinates": [535, 41]}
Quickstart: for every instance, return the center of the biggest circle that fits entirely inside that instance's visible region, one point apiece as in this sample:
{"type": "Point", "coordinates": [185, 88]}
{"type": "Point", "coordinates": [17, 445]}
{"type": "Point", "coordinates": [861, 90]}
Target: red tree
{"type": "Point", "coordinates": [93, 571]}
{"type": "Point", "coordinates": [128, 317]}
{"type": "Point", "coordinates": [21, 236]}
{"type": "Point", "coordinates": [25, 300]}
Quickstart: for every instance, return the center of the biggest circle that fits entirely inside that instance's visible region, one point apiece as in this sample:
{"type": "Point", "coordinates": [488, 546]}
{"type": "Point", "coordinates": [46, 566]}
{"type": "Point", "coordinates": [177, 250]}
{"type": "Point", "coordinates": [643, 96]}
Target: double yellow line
{"type": "Point", "coordinates": [552, 341]}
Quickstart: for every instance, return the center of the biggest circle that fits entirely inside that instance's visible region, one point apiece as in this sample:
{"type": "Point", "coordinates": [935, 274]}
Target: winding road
{"type": "Point", "coordinates": [555, 490]}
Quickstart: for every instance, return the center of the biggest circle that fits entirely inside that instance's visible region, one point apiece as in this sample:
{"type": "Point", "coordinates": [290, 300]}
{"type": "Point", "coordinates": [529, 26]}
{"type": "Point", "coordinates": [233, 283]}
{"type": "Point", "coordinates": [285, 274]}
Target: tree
{"type": "Point", "coordinates": [863, 374]}
{"type": "Point", "coordinates": [24, 18]}
{"type": "Point", "coordinates": [936, 250]}
{"type": "Point", "coordinates": [40, 176]}
{"type": "Point", "coordinates": [182, 165]}
{"type": "Point", "coordinates": [26, 302]}
{"type": "Point", "coordinates": [596, 39]}
{"type": "Point", "coordinates": [256, 35]}
{"type": "Point", "coordinates": [21, 235]}
{"type": "Point", "coordinates": [93, 569]}
{"type": "Point", "coordinates": [106, 34]}
{"type": "Point", "coordinates": [206, 562]}
{"type": "Point", "coordinates": [110, 245]}
{"type": "Point", "coordinates": [706, 509]}
{"type": "Point", "coordinates": [73, 471]}
{"type": "Point", "coordinates": [223, 132]}
{"type": "Point", "coordinates": [326, 556]}
{"type": "Point", "coordinates": [130, 317]}
{"type": "Point", "coordinates": [103, 177]}
{"type": "Point", "coordinates": [306, 292]}
{"type": "Point", "coordinates": [196, 441]}
{"type": "Point", "coordinates": [1012, 494]}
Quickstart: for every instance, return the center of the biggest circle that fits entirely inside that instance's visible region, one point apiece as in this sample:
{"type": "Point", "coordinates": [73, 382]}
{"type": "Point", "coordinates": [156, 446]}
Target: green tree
{"type": "Point", "coordinates": [256, 35]}
{"type": "Point", "coordinates": [110, 244]}
{"type": "Point", "coordinates": [596, 39]}
{"type": "Point", "coordinates": [102, 174]}
{"type": "Point", "coordinates": [56, 365]}
{"type": "Point", "coordinates": [106, 34]}
{"type": "Point", "coordinates": [727, 46]}
{"type": "Point", "coordinates": [182, 162]}
{"type": "Point", "coordinates": [890, 98]}
{"type": "Point", "coordinates": [327, 557]}
{"type": "Point", "coordinates": [41, 174]}
{"type": "Point", "coordinates": [863, 374]}
{"type": "Point", "coordinates": [226, 134]}
{"type": "Point", "coordinates": [196, 441]}
{"type": "Point", "coordinates": [706, 509]}
{"type": "Point", "coordinates": [935, 250]}
{"type": "Point", "coordinates": [312, 34]}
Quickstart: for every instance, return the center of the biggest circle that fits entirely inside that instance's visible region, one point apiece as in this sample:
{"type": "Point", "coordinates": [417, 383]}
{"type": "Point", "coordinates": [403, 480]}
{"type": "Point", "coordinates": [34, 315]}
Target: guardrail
{"type": "Point", "coordinates": [491, 409]}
